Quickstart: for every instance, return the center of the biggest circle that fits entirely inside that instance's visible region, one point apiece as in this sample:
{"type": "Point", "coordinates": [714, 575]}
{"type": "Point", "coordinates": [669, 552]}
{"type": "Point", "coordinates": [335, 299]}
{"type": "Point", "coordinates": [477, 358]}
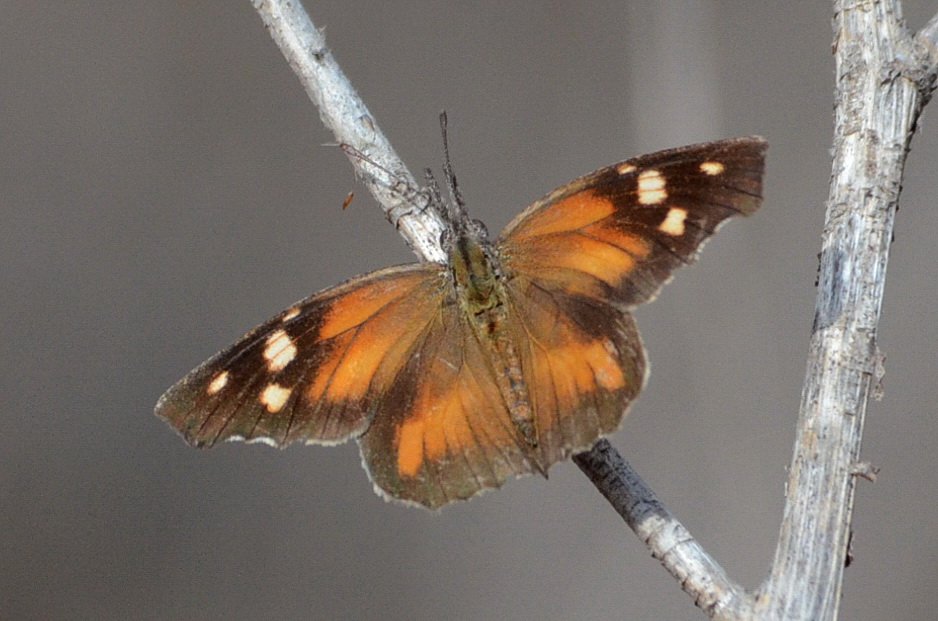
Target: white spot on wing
{"type": "Point", "coordinates": [625, 169]}
{"type": "Point", "coordinates": [651, 187]}
{"type": "Point", "coordinates": [290, 314]}
{"type": "Point", "coordinates": [280, 351]}
{"type": "Point", "coordinates": [218, 382]}
{"type": "Point", "coordinates": [673, 223]}
{"type": "Point", "coordinates": [712, 168]}
{"type": "Point", "coordinates": [274, 397]}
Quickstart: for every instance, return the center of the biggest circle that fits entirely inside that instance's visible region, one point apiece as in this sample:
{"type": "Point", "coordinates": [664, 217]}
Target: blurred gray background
{"type": "Point", "coordinates": [164, 187]}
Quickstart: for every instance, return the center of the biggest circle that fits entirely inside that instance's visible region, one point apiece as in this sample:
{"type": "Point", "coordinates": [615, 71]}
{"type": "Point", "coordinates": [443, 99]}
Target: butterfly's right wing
{"type": "Point", "coordinates": [318, 371]}
{"type": "Point", "coordinates": [617, 234]}
{"type": "Point", "coordinates": [579, 259]}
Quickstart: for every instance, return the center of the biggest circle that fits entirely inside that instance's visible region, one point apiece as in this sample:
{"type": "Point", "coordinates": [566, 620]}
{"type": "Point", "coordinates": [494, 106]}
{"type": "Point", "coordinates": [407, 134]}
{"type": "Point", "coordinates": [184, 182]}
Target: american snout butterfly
{"type": "Point", "coordinates": [511, 356]}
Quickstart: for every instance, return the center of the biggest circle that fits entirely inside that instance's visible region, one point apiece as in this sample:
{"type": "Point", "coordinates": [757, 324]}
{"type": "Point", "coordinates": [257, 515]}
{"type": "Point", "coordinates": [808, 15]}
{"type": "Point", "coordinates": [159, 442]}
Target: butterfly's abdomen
{"type": "Point", "coordinates": [490, 327]}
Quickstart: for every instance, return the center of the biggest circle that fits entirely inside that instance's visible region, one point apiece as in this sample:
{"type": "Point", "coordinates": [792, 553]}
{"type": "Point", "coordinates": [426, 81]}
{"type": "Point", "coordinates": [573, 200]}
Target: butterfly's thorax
{"type": "Point", "coordinates": [481, 294]}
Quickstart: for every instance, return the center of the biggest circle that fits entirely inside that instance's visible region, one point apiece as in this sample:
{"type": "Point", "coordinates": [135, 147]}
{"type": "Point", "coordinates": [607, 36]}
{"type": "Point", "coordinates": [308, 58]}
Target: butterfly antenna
{"type": "Point", "coordinates": [454, 192]}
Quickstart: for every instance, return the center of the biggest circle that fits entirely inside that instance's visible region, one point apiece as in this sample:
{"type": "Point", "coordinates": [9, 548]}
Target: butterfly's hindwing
{"type": "Point", "coordinates": [583, 364]}
{"type": "Point", "coordinates": [444, 431]}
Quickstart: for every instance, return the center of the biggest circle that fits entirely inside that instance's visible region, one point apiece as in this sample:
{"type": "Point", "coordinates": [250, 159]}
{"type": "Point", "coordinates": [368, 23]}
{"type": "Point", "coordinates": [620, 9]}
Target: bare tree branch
{"type": "Point", "coordinates": [883, 80]}
{"type": "Point", "coordinates": [669, 541]}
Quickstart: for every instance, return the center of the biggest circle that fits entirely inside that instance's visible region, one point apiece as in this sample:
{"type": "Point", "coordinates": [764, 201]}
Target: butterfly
{"type": "Point", "coordinates": [510, 357]}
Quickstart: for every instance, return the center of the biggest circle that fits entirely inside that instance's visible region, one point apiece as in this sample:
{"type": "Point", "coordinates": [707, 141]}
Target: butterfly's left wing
{"type": "Point", "coordinates": [318, 371]}
{"type": "Point", "coordinates": [616, 235]}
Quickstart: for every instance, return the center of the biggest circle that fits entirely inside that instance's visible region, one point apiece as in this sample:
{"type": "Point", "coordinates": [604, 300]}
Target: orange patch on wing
{"type": "Point", "coordinates": [359, 306]}
{"type": "Point", "coordinates": [634, 245]}
{"type": "Point", "coordinates": [359, 362]}
{"type": "Point", "coordinates": [576, 368]}
{"type": "Point", "coordinates": [368, 357]}
{"type": "Point", "coordinates": [438, 423]}
{"type": "Point", "coordinates": [605, 368]}
{"type": "Point", "coordinates": [369, 349]}
{"type": "Point", "coordinates": [410, 447]}
{"type": "Point", "coordinates": [569, 214]}
{"type": "Point", "coordinates": [397, 353]}
{"type": "Point", "coordinates": [605, 261]}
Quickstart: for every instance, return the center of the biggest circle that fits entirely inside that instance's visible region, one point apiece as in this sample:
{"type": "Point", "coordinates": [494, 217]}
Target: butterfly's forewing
{"type": "Point", "coordinates": [444, 432]}
{"type": "Point", "coordinates": [617, 234]}
{"type": "Point", "coordinates": [317, 371]}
